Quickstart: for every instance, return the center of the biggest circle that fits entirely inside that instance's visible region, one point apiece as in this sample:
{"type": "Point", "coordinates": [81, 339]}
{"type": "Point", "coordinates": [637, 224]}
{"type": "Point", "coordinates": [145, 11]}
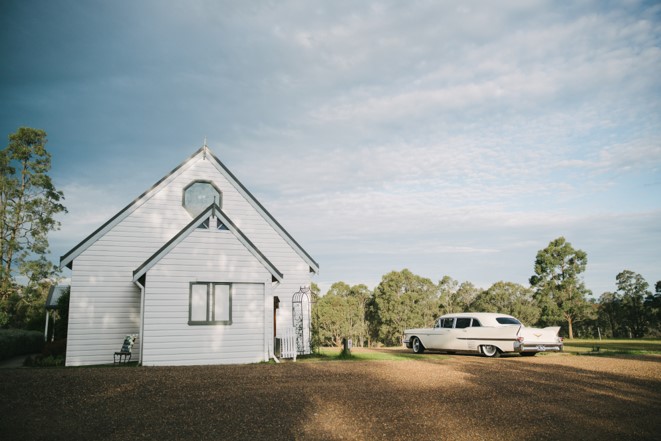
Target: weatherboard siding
{"type": "Point", "coordinates": [106, 304]}
{"type": "Point", "coordinates": [206, 256]}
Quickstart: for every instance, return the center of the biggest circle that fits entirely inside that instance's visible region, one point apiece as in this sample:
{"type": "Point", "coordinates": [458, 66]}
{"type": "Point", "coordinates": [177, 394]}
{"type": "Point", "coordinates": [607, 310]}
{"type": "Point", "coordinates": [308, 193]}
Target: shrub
{"type": "Point", "coordinates": [55, 348]}
{"type": "Point", "coordinates": [18, 342]}
{"type": "Point", "coordinates": [53, 354]}
{"type": "Point", "coordinates": [44, 361]}
{"type": "Point", "coordinates": [62, 322]}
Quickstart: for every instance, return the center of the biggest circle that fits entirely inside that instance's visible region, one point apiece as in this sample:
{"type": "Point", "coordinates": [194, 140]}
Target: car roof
{"type": "Point", "coordinates": [491, 315]}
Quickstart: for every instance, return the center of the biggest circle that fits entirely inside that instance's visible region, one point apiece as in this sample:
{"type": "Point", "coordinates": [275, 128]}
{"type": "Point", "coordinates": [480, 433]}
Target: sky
{"type": "Point", "coordinates": [447, 137]}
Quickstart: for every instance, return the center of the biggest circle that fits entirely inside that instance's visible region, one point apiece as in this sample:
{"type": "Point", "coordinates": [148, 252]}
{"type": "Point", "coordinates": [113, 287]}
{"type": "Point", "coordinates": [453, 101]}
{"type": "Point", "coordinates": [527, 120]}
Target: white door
{"type": "Point", "coordinates": [440, 334]}
{"type": "Point", "coordinates": [458, 335]}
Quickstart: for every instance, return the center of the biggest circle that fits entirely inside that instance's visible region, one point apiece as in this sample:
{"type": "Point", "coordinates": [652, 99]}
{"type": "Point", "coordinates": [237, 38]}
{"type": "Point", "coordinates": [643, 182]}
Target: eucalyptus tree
{"type": "Point", "coordinates": [455, 297]}
{"type": "Point", "coordinates": [610, 313]}
{"type": "Point", "coordinates": [509, 298]}
{"type": "Point", "coordinates": [339, 289]}
{"type": "Point", "coordinates": [331, 319]}
{"type": "Point", "coordinates": [29, 204]}
{"type": "Point", "coordinates": [402, 300]}
{"type": "Point", "coordinates": [447, 289]}
{"type": "Point", "coordinates": [559, 288]}
{"type": "Point", "coordinates": [340, 313]}
{"type": "Point", "coordinates": [361, 295]}
{"type": "Point", "coordinates": [632, 290]}
{"type": "Point", "coordinates": [653, 304]}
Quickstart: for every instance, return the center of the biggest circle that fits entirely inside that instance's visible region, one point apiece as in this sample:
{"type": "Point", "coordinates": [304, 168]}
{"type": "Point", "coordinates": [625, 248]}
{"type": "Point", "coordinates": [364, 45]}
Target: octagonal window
{"type": "Point", "coordinates": [199, 195]}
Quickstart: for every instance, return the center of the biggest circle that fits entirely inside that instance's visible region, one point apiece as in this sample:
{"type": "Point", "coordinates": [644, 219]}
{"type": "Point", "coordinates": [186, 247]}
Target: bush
{"type": "Point", "coordinates": [53, 354]}
{"type": "Point", "coordinates": [41, 361]}
{"type": "Point", "coordinates": [55, 348]}
{"type": "Point", "coordinates": [62, 322]}
{"type": "Point", "coordinates": [19, 342]}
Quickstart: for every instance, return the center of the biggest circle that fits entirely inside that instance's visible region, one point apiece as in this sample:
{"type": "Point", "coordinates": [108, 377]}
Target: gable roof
{"type": "Point", "coordinates": [211, 210]}
{"type": "Point", "coordinates": [204, 152]}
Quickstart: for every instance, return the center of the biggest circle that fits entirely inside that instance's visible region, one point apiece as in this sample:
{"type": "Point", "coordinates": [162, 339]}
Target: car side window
{"type": "Point", "coordinates": [448, 322]}
{"type": "Point", "coordinates": [462, 322]}
{"type": "Point", "coordinates": [437, 323]}
{"type": "Point", "coordinates": [476, 323]}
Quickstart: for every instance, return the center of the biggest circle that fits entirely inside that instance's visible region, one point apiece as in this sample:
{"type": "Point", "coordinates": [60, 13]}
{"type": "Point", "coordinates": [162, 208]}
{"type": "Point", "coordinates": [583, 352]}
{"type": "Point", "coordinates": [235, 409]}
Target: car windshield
{"type": "Point", "coordinates": [507, 321]}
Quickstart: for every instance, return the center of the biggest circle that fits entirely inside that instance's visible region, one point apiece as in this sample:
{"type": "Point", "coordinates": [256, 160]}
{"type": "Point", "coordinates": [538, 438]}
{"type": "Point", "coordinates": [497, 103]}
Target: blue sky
{"type": "Point", "coordinates": [450, 138]}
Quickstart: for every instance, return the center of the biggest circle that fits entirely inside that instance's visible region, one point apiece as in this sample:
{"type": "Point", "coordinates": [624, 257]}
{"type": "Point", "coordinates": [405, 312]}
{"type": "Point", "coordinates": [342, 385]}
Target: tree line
{"type": "Point", "coordinates": [556, 296]}
{"type": "Point", "coordinates": [30, 204]}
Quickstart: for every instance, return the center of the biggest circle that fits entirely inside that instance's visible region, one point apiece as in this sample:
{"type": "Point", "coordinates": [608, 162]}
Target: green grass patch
{"type": "Point", "coordinates": [364, 354]}
{"type": "Point", "coordinates": [612, 347]}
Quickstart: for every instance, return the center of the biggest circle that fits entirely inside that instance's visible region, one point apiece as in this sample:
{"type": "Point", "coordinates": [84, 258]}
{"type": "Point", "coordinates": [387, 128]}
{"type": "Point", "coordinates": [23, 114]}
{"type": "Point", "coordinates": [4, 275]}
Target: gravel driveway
{"type": "Point", "coordinates": [434, 398]}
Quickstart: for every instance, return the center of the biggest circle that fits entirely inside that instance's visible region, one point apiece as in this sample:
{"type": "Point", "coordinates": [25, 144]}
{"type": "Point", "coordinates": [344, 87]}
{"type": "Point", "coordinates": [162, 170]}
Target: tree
{"type": "Point", "coordinates": [26, 306]}
{"type": "Point", "coordinates": [315, 292]}
{"type": "Point", "coordinates": [341, 314]}
{"type": "Point", "coordinates": [315, 342]}
{"type": "Point", "coordinates": [610, 313]}
{"type": "Point", "coordinates": [331, 312]}
{"type": "Point", "coordinates": [455, 297]}
{"type": "Point", "coordinates": [62, 323]}
{"type": "Point", "coordinates": [361, 295]}
{"type": "Point", "coordinates": [402, 300]}
{"type": "Point", "coordinates": [28, 205]}
{"type": "Point", "coordinates": [653, 305]}
{"type": "Point", "coordinates": [559, 289]}
{"type": "Point", "coordinates": [509, 298]}
{"type": "Point", "coordinates": [447, 288]}
{"type": "Point", "coordinates": [632, 289]}
{"type": "Point", "coordinates": [339, 289]}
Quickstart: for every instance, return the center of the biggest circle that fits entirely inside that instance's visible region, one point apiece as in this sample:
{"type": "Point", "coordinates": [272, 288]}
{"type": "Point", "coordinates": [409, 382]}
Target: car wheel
{"type": "Point", "coordinates": [528, 354]}
{"type": "Point", "coordinates": [416, 344]}
{"type": "Point", "coordinates": [490, 351]}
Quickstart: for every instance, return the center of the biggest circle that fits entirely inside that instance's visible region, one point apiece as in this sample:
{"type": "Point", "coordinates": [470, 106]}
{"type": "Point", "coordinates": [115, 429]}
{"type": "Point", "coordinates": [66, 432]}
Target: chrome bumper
{"type": "Point", "coordinates": [537, 347]}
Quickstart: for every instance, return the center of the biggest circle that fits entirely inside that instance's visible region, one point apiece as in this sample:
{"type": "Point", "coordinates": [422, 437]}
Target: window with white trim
{"type": "Point", "coordinates": [210, 303]}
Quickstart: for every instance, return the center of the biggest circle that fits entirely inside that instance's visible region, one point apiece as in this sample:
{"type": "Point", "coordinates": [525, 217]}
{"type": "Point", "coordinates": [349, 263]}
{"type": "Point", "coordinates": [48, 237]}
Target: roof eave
{"type": "Point", "coordinates": [314, 266]}
{"type": "Point", "coordinates": [67, 259]}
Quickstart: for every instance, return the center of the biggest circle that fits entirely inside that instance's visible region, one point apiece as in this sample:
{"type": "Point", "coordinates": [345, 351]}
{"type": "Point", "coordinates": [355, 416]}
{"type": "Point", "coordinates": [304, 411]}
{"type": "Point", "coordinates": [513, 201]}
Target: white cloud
{"type": "Point", "coordinates": [451, 138]}
{"type": "Point", "coordinates": [89, 207]}
{"type": "Point", "coordinates": [631, 156]}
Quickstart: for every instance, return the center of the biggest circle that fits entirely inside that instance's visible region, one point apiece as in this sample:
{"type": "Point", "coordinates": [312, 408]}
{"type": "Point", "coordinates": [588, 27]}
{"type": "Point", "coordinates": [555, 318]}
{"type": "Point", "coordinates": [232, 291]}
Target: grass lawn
{"type": "Point", "coordinates": [365, 354]}
{"type": "Point", "coordinates": [609, 347]}
{"type": "Point", "coordinates": [574, 347]}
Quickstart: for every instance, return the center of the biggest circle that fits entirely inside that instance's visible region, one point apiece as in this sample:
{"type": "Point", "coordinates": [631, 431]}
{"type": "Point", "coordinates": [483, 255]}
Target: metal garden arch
{"type": "Point", "coordinates": [301, 306]}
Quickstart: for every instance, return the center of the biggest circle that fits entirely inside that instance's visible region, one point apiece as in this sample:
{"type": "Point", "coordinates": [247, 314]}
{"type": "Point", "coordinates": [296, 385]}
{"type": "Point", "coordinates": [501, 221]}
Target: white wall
{"type": "Point", "coordinates": [206, 256]}
{"type": "Point", "coordinates": [105, 304]}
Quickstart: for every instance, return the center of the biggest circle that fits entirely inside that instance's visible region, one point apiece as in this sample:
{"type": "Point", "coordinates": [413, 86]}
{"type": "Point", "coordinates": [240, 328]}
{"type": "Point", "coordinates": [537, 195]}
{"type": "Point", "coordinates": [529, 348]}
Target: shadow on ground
{"type": "Point", "coordinates": [433, 398]}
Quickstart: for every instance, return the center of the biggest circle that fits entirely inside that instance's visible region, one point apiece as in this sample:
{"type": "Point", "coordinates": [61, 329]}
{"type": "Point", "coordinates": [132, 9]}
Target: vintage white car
{"type": "Point", "coordinates": [485, 333]}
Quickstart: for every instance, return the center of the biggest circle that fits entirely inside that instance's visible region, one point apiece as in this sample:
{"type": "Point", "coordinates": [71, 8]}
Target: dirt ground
{"type": "Point", "coordinates": [435, 398]}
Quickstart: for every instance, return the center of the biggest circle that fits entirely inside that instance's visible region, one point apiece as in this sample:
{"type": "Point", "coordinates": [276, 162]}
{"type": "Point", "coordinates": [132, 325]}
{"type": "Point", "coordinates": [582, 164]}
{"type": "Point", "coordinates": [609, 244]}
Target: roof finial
{"type": "Point", "coordinates": [205, 142]}
{"type": "Point", "coordinates": [205, 148]}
